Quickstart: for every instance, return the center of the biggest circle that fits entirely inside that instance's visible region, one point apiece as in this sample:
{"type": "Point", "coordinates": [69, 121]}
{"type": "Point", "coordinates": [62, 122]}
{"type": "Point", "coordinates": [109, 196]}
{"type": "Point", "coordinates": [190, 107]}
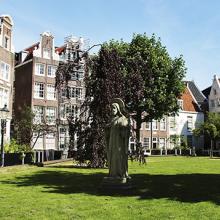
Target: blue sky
{"type": "Point", "coordinates": [189, 27]}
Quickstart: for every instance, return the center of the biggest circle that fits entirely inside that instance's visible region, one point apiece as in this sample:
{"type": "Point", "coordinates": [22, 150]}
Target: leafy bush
{"type": "Point", "coordinates": [14, 147]}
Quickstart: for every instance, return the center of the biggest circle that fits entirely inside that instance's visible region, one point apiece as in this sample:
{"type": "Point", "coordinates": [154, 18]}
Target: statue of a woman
{"type": "Point", "coordinates": [117, 137]}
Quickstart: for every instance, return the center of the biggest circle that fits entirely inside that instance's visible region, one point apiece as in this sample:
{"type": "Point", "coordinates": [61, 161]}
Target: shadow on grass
{"type": "Point", "coordinates": [181, 187]}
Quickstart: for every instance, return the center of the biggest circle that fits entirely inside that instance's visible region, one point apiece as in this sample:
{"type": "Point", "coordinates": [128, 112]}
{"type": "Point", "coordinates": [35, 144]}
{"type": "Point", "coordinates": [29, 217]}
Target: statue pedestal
{"type": "Point", "coordinates": [116, 183]}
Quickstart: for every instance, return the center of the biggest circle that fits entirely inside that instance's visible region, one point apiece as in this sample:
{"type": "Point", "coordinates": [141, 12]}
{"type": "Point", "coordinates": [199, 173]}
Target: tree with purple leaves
{"type": "Point", "coordinates": [142, 74]}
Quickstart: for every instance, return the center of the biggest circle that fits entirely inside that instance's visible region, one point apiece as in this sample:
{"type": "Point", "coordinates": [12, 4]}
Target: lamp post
{"type": "Point", "coordinates": [4, 112]}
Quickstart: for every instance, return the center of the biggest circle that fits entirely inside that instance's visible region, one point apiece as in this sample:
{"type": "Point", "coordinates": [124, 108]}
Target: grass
{"type": "Point", "coordinates": [165, 188]}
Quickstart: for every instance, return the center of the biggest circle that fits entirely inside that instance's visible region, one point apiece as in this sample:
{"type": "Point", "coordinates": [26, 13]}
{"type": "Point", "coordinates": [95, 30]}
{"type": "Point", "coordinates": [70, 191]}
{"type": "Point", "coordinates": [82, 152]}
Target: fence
{"type": "Point", "coordinates": [16, 159]}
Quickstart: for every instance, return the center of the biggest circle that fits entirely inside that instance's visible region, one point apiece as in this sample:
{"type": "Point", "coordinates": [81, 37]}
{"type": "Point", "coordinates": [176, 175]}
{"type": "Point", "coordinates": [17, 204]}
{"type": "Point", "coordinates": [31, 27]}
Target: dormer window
{"type": "Point", "coordinates": [6, 42]}
{"type": "Point", "coordinates": [180, 103]}
{"type": "Point", "coordinates": [46, 53]}
{"type": "Point", "coordinates": [215, 92]}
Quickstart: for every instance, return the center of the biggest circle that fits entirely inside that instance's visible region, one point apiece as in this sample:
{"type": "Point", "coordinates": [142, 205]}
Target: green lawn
{"type": "Point", "coordinates": [165, 188]}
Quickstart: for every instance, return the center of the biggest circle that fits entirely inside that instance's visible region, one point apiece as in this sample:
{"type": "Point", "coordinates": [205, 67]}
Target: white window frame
{"type": "Point", "coordinates": [5, 71]}
{"type": "Point", "coordinates": [180, 103]}
{"type": "Point", "coordinates": [163, 126]}
{"type": "Point", "coordinates": [51, 92]}
{"type": "Point", "coordinates": [154, 125]}
{"type": "Point", "coordinates": [50, 141]}
{"type": "Point", "coordinates": [38, 114]}
{"type": "Point", "coordinates": [154, 141]}
{"type": "Point", "coordinates": [147, 125]}
{"type": "Point", "coordinates": [146, 142]}
{"type": "Point", "coordinates": [132, 141]}
{"type": "Point", "coordinates": [39, 90]}
{"type": "Point", "coordinates": [63, 137]}
{"type": "Point", "coordinates": [162, 143]}
{"type": "Point", "coordinates": [4, 97]}
{"type": "Point", "coordinates": [47, 52]}
{"type": "Point", "coordinates": [8, 42]}
{"type": "Point", "coordinates": [172, 120]}
{"type": "Point", "coordinates": [74, 92]}
{"type": "Point", "coordinates": [51, 71]}
{"type": "Point", "coordinates": [38, 69]}
{"type": "Point", "coordinates": [51, 115]}
{"type": "Point", "coordinates": [189, 123]}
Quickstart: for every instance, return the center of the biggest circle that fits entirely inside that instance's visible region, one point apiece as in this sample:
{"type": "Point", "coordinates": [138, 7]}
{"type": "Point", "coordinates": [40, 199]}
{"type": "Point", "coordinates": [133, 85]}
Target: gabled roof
{"type": "Point", "coordinates": [206, 92]}
{"type": "Point", "coordinates": [32, 47]}
{"type": "Point", "coordinates": [189, 103]}
{"type": "Point", "coordinates": [198, 95]}
{"type": "Point", "coordinates": [60, 49]}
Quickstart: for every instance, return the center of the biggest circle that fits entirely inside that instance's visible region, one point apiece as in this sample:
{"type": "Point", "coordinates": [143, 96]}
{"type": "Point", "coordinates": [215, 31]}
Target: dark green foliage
{"type": "Point", "coordinates": [211, 128]}
{"type": "Point", "coordinates": [23, 126]}
{"type": "Point", "coordinates": [159, 79]}
{"type": "Point", "coordinates": [26, 132]}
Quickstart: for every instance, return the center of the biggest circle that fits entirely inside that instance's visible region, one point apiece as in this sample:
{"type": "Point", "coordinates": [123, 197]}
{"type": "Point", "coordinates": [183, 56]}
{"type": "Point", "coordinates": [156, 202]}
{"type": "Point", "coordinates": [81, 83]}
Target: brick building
{"type": "Point", "coordinates": [35, 86]}
{"type": "Point", "coordinates": [6, 69]}
{"type": "Point", "coordinates": [35, 73]}
{"type": "Point", "coordinates": [159, 134]}
{"type": "Point", "coordinates": [71, 97]}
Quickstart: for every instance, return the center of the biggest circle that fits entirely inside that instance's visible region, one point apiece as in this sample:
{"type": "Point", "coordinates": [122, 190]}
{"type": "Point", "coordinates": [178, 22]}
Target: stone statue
{"type": "Point", "coordinates": [117, 137]}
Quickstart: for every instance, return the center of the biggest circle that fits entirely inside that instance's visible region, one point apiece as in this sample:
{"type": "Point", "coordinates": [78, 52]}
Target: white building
{"type": "Point", "coordinates": [214, 96]}
{"type": "Point", "coordinates": [189, 117]}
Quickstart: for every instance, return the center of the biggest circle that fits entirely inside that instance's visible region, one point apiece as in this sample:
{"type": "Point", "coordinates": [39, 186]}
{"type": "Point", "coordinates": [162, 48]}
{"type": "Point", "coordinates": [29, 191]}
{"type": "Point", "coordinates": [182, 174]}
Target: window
{"type": "Point", "coordinates": [154, 125]}
{"type": "Point", "coordinates": [38, 90]}
{"type": "Point", "coordinates": [67, 110]}
{"type": "Point", "coordinates": [154, 143]}
{"type": "Point", "coordinates": [51, 71]}
{"type": "Point", "coordinates": [38, 114]}
{"type": "Point", "coordinates": [215, 92]}
{"type": "Point", "coordinates": [189, 140]}
{"type": "Point", "coordinates": [72, 92]}
{"type": "Point", "coordinates": [180, 103]}
{"type": "Point", "coordinates": [50, 141]}
{"type": "Point", "coordinates": [146, 142]}
{"type": "Point", "coordinates": [51, 115]}
{"type": "Point", "coordinates": [79, 93]}
{"type": "Point", "coordinates": [212, 102]}
{"type": "Point", "coordinates": [132, 144]}
{"type": "Point", "coordinates": [189, 123]}
{"type": "Point", "coordinates": [4, 97]}
{"type": "Point", "coordinates": [39, 69]}
{"type": "Point", "coordinates": [51, 94]}
{"type": "Point", "coordinates": [62, 111]}
{"type": "Point", "coordinates": [174, 140]}
{"type": "Point", "coordinates": [47, 53]}
{"type": "Point", "coordinates": [162, 143]}
{"type": "Point", "coordinates": [77, 75]}
{"type": "Point", "coordinates": [63, 137]}
{"type": "Point", "coordinates": [148, 125]}
{"type": "Point", "coordinates": [5, 71]}
{"type": "Point", "coordinates": [6, 42]}
{"type": "Point", "coordinates": [163, 124]}
{"type": "Point", "coordinates": [40, 141]}
{"type": "Point", "coordinates": [172, 122]}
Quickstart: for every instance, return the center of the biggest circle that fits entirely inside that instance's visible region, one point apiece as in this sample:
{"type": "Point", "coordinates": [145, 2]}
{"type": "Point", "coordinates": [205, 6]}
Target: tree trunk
{"type": "Point", "coordinates": [137, 130]}
{"type": "Point", "coordinates": [211, 149]}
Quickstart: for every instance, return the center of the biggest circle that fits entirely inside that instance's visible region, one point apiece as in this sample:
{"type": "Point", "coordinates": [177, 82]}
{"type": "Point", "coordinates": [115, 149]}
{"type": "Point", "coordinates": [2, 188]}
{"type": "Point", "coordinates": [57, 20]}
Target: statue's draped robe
{"type": "Point", "coordinates": [117, 138]}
